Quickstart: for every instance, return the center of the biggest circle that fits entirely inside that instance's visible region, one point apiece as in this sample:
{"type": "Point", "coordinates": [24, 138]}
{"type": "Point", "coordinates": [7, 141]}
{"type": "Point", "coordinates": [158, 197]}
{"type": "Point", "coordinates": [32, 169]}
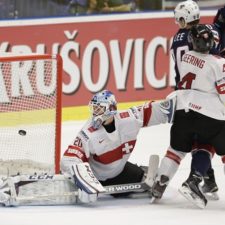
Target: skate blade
{"type": "Point", "coordinates": [192, 197]}
{"type": "Point", "coordinates": [154, 200]}
{"type": "Point", "coordinates": [212, 196]}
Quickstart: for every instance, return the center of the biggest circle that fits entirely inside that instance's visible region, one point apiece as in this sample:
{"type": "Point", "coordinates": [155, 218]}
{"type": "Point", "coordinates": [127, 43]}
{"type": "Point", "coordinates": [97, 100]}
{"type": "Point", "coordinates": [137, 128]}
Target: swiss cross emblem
{"type": "Point", "coordinates": [127, 148]}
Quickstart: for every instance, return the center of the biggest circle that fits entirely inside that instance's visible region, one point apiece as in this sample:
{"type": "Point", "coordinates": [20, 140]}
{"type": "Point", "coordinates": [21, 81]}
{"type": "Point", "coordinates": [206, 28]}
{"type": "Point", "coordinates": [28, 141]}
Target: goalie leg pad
{"type": "Point", "coordinates": [85, 197]}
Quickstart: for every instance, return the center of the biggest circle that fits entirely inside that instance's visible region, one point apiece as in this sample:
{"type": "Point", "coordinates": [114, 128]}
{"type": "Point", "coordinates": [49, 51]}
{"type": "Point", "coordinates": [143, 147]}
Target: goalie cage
{"type": "Point", "coordinates": [30, 114]}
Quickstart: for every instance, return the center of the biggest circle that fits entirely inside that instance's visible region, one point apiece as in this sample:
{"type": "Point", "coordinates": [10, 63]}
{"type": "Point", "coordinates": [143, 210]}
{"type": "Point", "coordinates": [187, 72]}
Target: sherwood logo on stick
{"type": "Point", "coordinates": [123, 187]}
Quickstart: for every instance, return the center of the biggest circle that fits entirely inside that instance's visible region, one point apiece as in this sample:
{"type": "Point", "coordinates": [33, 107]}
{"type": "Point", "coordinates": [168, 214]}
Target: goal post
{"type": "Point", "coordinates": [30, 114]}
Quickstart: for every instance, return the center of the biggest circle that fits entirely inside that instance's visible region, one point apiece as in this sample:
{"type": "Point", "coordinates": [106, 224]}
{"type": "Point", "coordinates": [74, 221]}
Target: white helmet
{"type": "Point", "coordinates": [103, 106]}
{"type": "Point", "coordinates": [188, 10]}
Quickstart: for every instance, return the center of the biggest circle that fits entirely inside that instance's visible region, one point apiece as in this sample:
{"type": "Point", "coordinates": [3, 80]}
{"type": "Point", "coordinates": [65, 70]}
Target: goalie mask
{"type": "Point", "coordinates": [201, 38]}
{"type": "Point", "coordinates": [103, 106]}
{"type": "Point", "coordinates": [188, 11]}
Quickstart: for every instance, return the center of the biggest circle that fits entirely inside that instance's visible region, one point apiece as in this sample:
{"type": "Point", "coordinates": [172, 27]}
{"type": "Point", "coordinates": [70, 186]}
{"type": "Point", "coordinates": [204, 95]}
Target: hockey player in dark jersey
{"type": "Point", "coordinates": [199, 110]}
{"type": "Point", "coordinates": [187, 15]}
{"type": "Point", "coordinates": [219, 22]}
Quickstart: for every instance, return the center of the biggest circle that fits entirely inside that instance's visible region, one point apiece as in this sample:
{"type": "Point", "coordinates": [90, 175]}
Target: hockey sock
{"type": "Point", "coordinates": [201, 162]}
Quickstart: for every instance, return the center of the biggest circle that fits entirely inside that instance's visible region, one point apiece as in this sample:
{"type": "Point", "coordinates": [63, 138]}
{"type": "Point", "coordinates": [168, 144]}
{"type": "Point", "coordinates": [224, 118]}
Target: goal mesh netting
{"type": "Point", "coordinates": [30, 114]}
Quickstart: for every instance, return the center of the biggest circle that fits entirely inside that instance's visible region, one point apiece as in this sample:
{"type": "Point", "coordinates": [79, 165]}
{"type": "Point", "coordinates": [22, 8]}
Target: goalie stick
{"type": "Point", "coordinates": [60, 190]}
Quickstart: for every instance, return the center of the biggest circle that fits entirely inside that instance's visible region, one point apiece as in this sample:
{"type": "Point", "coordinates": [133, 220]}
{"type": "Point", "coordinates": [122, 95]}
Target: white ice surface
{"type": "Point", "coordinates": [173, 209]}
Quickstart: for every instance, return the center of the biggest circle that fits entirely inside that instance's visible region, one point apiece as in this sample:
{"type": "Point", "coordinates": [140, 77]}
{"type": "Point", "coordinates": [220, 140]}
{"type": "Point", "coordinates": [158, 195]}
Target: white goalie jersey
{"type": "Point", "coordinates": [204, 90]}
{"type": "Point", "coordinates": [107, 153]}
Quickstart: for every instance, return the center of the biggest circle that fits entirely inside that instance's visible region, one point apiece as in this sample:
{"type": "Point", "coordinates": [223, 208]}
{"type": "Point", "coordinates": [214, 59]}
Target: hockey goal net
{"type": "Point", "coordinates": [30, 114]}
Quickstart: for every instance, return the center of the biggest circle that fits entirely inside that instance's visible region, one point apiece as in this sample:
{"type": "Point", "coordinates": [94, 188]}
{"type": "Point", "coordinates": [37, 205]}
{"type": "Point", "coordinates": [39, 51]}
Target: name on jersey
{"type": "Point", "coordinates": [179, 37]}
{"type": "Point", "coordinates": [84, 135]}
{"type": "Point", "coordinates": [75, 152]}
{"type": "Point", "coordinates": [193, 60]}
{"type": "Point", "coordinates": [194, 106]}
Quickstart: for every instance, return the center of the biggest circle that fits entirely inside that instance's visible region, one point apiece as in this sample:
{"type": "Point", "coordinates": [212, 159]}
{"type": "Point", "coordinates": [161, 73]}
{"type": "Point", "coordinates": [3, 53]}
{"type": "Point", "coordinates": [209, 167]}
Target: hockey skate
{"type": "Point", "coordinates": [210, 188]}
{"type": "Point", "coordinates": [159, 188]}
{"type": "Point", "coordinates": [190, 190]}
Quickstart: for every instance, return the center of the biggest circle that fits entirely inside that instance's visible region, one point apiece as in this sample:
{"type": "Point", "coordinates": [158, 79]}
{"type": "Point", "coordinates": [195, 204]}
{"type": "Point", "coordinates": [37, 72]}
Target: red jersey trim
{"type": "Point", "coordinates": [147, 114]}
{"type": "Point", "coordinates": [74, 151]}
{"type": "Point", "coordinates": [173, 156]}
{"type": "Point", "coordinates": [116, 154]}
{"type": "Point", "coordinates": [223, 159]}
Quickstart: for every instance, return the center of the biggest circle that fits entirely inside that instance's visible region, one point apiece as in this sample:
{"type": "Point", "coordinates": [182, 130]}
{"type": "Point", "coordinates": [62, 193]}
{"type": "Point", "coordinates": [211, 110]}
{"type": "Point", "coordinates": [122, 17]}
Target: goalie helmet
{"type": "Point", "coordinates": [103, 106]}
{"type": "Point", "coordinates": [188, 11]}
{"type": "Point", "coordinates": [201, 38]}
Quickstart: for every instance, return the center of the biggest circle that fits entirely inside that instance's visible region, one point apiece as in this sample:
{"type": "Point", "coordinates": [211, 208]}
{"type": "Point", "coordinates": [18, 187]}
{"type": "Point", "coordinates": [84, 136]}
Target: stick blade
{"type": "Point", "coordinates": [152, 170]}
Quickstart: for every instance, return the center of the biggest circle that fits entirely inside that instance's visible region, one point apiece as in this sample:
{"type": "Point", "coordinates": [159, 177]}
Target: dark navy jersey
{"type": "Point", "coordinates": [221, 31]}
{"type": "Point", "coordinates": [181, 45]}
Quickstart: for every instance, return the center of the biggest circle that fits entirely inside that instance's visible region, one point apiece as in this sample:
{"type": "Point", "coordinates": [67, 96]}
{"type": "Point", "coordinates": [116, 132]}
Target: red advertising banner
{"type": "Point", "coordinates": [128, 54]}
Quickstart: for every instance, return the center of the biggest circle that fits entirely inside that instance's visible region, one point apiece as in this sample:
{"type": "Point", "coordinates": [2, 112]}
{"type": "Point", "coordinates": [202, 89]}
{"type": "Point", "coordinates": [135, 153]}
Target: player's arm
{"type": "Point", "coordinates": [75, 163]}
{"type": "Point", "coordinates": [155, 113]}
{"type": "Point", "coordinates": [74, 154]}
{"type": "Point", "coordinates": [220, 82]}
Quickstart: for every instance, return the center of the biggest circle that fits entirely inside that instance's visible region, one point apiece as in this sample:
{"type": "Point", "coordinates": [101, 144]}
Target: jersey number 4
{"type": "Point", "coordinates": [186, 81]}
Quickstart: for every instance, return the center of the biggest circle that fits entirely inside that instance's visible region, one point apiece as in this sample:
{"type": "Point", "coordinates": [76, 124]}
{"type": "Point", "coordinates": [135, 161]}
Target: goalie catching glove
{"type": "Point", "coordinates": [88, 185]}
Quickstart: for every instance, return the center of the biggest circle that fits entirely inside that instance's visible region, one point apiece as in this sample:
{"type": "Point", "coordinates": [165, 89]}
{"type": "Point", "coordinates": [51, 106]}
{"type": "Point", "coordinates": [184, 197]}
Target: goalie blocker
{"type": "Point", "coordinates": [61, 190]}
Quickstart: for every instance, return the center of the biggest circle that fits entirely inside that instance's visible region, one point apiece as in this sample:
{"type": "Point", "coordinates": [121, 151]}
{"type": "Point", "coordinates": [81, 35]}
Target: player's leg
{"type": "Point", "coordinates": [219, 142]}
{"type": "Point", "coordinates": [206, 128]}
{"type": "Point", "coordinates": [131, 173]}
{"type": "Point", "coordinates": [168, 167]}
{"type": "Point", "coordinates": [190, 189]}
{"type": "Point", "coordinates": [201, 161]}
{"type": "Point", "coordinates": [181, 141]}
{"type": "Point", "coordinates": [134, 174]}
